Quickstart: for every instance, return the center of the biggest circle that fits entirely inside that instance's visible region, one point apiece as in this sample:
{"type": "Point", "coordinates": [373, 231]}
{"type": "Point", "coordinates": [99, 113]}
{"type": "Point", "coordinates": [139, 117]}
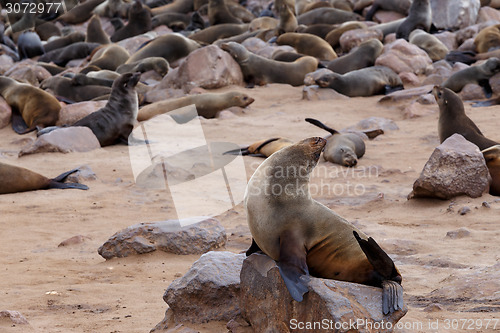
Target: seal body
{"type": "Point", "coordinates": [114, 122]}
{"type": "Point", "coordinates": [362, 82]}
{"type": "Point", "coordinates": [488, 39]}
{"type": "Point", "coordinates": [139, 21]}
{"type": "Point", "coordinates": [308, 44]}
{"type": "Point", "coordinates": [452, 119]}
{"type": "Point", "coordinates": [303, 235]}
{"type": "Point", "coordinates": [29, 45]}
{"type": "Point", "coordinates": [170, 46]}
{"type": "Point", "coordinates": [361, 57]}
{"type": "Point", "coordinates": [429, 43]}
{"type": "Point", "coordinates": [419, 17]}
{"type": "Point", "coordinates": [15, 179]}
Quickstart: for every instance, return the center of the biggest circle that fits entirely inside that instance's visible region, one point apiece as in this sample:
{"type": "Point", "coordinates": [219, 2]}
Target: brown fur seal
{"type": "Point", "coordinates": [360, 57]}
{"type": "Point", "coordinates": [80, 13]}
{"type": "Point", "coordinates": [341, 148]}
{"type": "Point", "coordinates": [263, 148]}
{"type": "Point", "coordinates": [327, 16]}
{"type": "Point", "coordinates": [114, 122]}
{"type": "Point", "coordinates": [35, 106]}
{"type": "Point", "coordinates": [492, 157]}
{"type": "Point", "coordinates": [479, 74]}
{"type": "Point", "coordinates": [113, 8]}
{"type": "Point", "coordinates": [218, 13]}
{"type": "Point", "coordinates": [429, 43]}
{"type": "Point", "coordinates": [488, 39]}
{"type": "Point", "coordinates": [259, 70]}
{"type": "Point", "coordinates": [15, 179]}
{"type": "Point", "coordinates": [109, 56]}
{"type": "Point", "coordinates": [333, 37]}
{"type": "Point", "coordinates": [157, 64]}
{"type": "Point", "coordinates": [95, 33]}
{"type": "Point", "coordinates": [308, 44]}
{"type": "Point", "coordinates": [61, 42]}
{"type": "Point", "coordinates": [61, 57]}
{"type": "Point", "coordinates": [306, 237]}
{"type": "Point", "coordinates": [363, 82]}
{"type": "Point", "coordinates": [452, 119]}
{"type": "Point", "coordinates": [29, 45]}
{"type": "Point", "coordinates": [177, 6]}
{"type": "Point", "coordinates": [398, 6]}
{"type": "Point", "coordinates": [211, 34]}
{"type": "Point", "coordinates": [419, 17]}
{"type": "Point", "coordinates": [207, 104]}
{"type": "Point", "coordinates": [320, 30]}
{"type": "Point", "coordinates": [66, 90]}
{"type": "Point", "coordinates": [170, 46]}
{"type": "Point", "coordinates": [139, 22]}
{"type": "Point", "coordinates": [170, 20]}
{"type": "Point", "coordinates": [287, 20]}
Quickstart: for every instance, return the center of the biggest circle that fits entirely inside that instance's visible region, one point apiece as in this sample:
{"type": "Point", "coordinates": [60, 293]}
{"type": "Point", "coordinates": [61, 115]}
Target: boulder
{"type": "Point", "coordinates": [401, 56]}
{"type": "Point", "coordinates": [454, 14]}
{"type": "Point", "coordinates": [168, 236]}
{"type": "Point", "coordinates": [487, 14]}
{"type": "Point", "coordinates": [338, 306]}
{"type": "Point", "coordinates": [352, 38]}
{"type": "Point", "coordinates": [456, 167]}
{"type": "Point", "coordinates": [71, 113]}
{"type": "Point", "coordinates": [63, 140]}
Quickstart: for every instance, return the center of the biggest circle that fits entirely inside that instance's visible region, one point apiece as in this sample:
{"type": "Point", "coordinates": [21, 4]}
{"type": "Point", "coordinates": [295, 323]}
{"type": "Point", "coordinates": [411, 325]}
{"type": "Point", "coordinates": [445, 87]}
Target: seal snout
{"type": "Point", "coordinates": [350, 160]}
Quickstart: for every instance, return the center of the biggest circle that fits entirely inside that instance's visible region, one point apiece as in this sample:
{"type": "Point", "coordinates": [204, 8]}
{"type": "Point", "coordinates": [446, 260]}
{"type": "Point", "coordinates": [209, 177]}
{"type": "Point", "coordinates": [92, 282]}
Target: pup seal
{"type": "Point", "coordinates": [452, 119]}
{"type": "Point", "coordinates": [488, 39]}
{"type": "Point", "coordinates": [341, 148]}
{"type": "Point", "coordinates": [492, 157]}
{"type": "Point", "coordinates": [15, 179]}
{"type": "Point", "coordinates": [480, 75]}
{"type": "Point", "coordinates": [363, 82]}
{"type": "Point", "coordinates": [306, 237]}
{"type": "Point", "coordinates": [419, 17]}
{"type": "Point", "coordinates": [259, 70]}
{"type": "Point", "coordinates": [31, 106]}
{"type": "Point", "coordinates": [139, 21]}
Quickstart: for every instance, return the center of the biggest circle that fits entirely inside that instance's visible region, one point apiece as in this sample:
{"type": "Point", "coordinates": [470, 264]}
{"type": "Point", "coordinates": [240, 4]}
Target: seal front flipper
{"type": "Point", "coordinates": [253, 248]}
{"type": "Point", "coordinates": [390, 89]}
{"type": "Point", "coordinates": [292, 265]}
{"type": "Point", "coordinates": [485, 84]}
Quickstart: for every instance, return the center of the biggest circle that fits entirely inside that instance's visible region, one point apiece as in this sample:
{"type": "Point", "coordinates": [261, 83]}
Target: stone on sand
{"type": "Point", "coordinates": [71, 113]}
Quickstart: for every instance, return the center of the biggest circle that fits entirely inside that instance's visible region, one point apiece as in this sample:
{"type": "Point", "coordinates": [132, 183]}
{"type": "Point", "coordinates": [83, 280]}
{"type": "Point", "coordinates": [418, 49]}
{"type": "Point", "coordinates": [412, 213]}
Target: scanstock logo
{"type": "Point", "coordinates": [199, 178]}
{"type": "Point", "coordinates": [21, 15]}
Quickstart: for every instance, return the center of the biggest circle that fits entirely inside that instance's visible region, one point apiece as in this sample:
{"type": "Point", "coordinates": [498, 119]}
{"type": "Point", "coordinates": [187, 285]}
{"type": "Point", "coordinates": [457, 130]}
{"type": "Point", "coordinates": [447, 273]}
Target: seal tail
{"type": "Point", "coordinates": [321, 125]}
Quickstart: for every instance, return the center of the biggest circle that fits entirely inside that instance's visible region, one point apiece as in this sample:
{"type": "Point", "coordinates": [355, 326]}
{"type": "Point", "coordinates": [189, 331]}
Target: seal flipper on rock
{"type": "Point", "coordinates": [253, 248]}
{"type": "Point", "coordinates": [19, 125]}
{"type": "Point", "coordinates": [485, 84]}
{"type": "Point", "coordinates": [58, 182]}
{"type": "Point", "coordinates": [293, 265]}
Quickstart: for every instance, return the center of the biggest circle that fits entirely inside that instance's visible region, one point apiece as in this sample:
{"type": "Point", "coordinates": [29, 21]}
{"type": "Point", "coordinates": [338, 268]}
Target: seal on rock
{"type": "Point", "coordinates": [306, 237]}
{"type": "Point", "coordinates": [419, 17]}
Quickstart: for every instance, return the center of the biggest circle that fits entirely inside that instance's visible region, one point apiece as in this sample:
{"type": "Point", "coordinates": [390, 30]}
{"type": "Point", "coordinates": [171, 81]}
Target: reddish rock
{"type": "Point", "coordinates": [406, 94]}
{"type": "Point", "coordinates": [447, 38]}
{"type": "Point", "coordinates": [459, 233]}
{"type": "Point", "coordinates": [310, 78]}
{"type": "Point", "coordinates": [383, 16]}
{"type": "Point", "coordinates": [75, 240]}
{"type": "Point", "coordinates": [455, 168]}
{"type": "Point", "coordinates": [471, 92]}
{"type": "Point", "coordinates": [401, 56]}
{"type": "Point", "coordinates": [409, 79]}
{"type": "Point", "coordinates": [71, 113]}
{"type": "Point", "coordinates": [352, 38]}
{"type": "Point", "coordinates": [487, 14]}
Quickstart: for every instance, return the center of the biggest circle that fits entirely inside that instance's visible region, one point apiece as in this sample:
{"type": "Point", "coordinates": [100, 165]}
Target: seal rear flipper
{"type": "Point", "coordinates": [62, 177]}
{"type": "Point", "coordinates": [489, 102]}
{"type": "Point", "coordinates": [55, 184]}
{"type": "Point", "coordinates": [390, 89]}
{"type": "Point", "coordinates": [253, 248]}
{"type": "Point", "coordinates": [293, 266]}
{"type": "Point", "coordinates": [19, 125]}
{"type": "Point", "coordinates": [380, 261]}
{"type": "Point", "coordinates": [392, 297]}
{"type": "Point", "coordinates": [321, 125]}
{"type": "Point", "coordinates": [485, 84]}
{"type": "Point", "coordinates": [374, 133]}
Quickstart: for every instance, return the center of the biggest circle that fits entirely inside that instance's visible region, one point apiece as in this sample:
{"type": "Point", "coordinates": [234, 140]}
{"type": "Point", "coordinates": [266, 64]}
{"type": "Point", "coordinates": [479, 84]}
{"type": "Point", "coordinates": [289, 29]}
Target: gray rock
{"type": "Point", "coordinates": [401, 56]}
{"type": "Point", "coordinates": [373, 123]}
{"type": "Point", "coordinates": [15, 317]}
{"type": "Point", "coordinates": [266, 303]}
{"type": "Point", "coordinates": [167, 236]}
{"type": "Point", "coordinates": [315, 93]}
{"type": "Point", "coordinates": [456, 167]}
{"type": "Point", "coordinates": [5, 113]}
{"type": "Point", "coordinates": [71, 113]}
{"type": "Point", "coordinates": [406, 94]}
{"type": "Point", "coordinates": [448, 38]}
{"type": "Point", "coordinates": [459, 233]}
{"type": "Point", "coordinates": [208, 291]}
{"type": "Point", "coordinates": [454, 14]}
{"type": "Point", "coordinates": [63, 140]}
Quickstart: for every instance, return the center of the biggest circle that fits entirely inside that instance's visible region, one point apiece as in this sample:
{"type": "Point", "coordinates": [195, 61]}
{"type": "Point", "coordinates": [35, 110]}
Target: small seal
{"type": "Point", "coordinates": [419, 17]}
{"type": "Point", "coordinates": [306, 237]}
{"type": "Point", "coordinates": [15, 179]}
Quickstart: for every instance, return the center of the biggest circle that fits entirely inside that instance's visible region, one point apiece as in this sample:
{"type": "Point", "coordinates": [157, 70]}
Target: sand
{"type": "Point", "coordinates": [73, 289]}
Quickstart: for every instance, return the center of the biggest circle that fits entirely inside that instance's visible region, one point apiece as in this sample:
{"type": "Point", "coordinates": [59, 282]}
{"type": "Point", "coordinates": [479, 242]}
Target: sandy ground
{"type": "Point", "coordinates": [73, 289]}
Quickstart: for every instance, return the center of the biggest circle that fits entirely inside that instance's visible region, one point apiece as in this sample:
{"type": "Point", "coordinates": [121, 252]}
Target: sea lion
{"type": "Point", "coordinates": [341, 148]}
{"type": "Point", "coordinates": [419, 17]}
{"type": "Point", "coordinates": [429, 43]}
{"type": "Point", "coordinates": [363, 82]}
{"type": "Point", "coordinates": [139, 21]}
{"type": "Point", "coordinates": [211, 34]}
{"type": "Point", "coordinates": [259, 70]}
{"type": "Point", "coordinates": [66, 90]}
{"type": "Point", "coordinates": [262, 148]}
{"type": "Point", "coordinates": [80, 13]}
{"type": "Point", "coordinates": [35, 106]}
{"type": "Point", "coordinates": [488, 39]}
{"type": "Point", "coordinates": [398, 6]}
{"type": "Point", "coordinates": [492, 157]}
{"type": "Point", "coordinates": [171, 46]}
{"type": "Point", "coordinates": [62, 56]}
{"type": "Point", "coordinates": [207, 104]}
{"type": "Point", "coordinates": [327, 16]}
{"type": "Point", "coordinates": [15, 179]}
{"type": "Point", "coordinates": [157, 64]}
{"type": "Point", "coordinates": [109, 56]}
{"type": "Point", "coordinates": [113, 8]}
{"type": "Point", "coordinates": [114, 122]}
{"type": "Point", "coordinates": [286, 14]}
{"type": "Point", "coordinates": [218, 13]}
{"type": "Point", "coordinates": [452, 119]}
{"type": "Point", "coordinates": [479, 74]}
{"type": "Point", "coordinates": [308, 44]}
{"type": "Point", "coordinates": [286, 56]}
{"type": "Point", "coordinates": [320, 30]}
{"type": "Point", "coordinates": [360, 57]}
{"type": "Point", "coordinates": [74, 37]}
{"type": "Point", "coordinates": [333, 37]}
{"type": "Point", "coordinates": [304, 236]}
{"type": "Point", "coordinates": [177, 6]}
{"type": "Point", "coordinates": [95, 33]}
{"type": "Point", "coordinates": [170, 19]}
{"type": "Point", "coordinates": [29, 45]}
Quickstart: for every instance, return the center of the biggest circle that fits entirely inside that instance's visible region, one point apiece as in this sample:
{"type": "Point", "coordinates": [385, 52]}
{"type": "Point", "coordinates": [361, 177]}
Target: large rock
{"type": "Point", "coordinates": [401, 56]}
{"type": "Point", "coordinates": [63, 140]}
{"type": "Point", "coordinates": [210, 68]}
{"type": "Point", "coordinates": [456, 167]}
{"type": "Point", "coordinates": [454, 14]}
{"type": "Point", "coordinates": [266, 303]}
{"type": "Point", "coordinates": [167, 236]}
{"type": "Point", "coordinates": [71, 113]}
{"type": "Point", "coordinates": [209, 290]}
{"type": "Point", "coordinates": [5, 113]}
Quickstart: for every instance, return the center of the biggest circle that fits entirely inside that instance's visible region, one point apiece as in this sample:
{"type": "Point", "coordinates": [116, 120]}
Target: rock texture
{"type": "Point", "coordinates": [454, 14]}
{"type": "Point", "coordinates": [5, 113]}
{"type": "Point", "coordinates": [167, 236]}
{"type": "Point", "coordinates": [63, 140]}
{"type": "Point", "coordinates": [71, 113]}
{"type": "Point", "coordinates": [209, 290]}
{"type": "Point", "coordinates": [315, 93]}
{"type": "Point", "coordinates": [455, 168]}
{"type": "Point", "coordinates": [266, 303]}
{"type": "Point", "coordinates": [401, 56]}
{"type": "Point", "coordinates": [352, 38]}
